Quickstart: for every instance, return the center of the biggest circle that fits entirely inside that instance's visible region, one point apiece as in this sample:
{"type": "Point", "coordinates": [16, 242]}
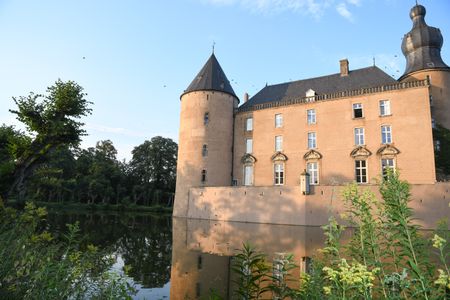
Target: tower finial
{"type": "Point", "coordinates": [213, 45]}
{"type": "Point", "coordinates": [374, 60]}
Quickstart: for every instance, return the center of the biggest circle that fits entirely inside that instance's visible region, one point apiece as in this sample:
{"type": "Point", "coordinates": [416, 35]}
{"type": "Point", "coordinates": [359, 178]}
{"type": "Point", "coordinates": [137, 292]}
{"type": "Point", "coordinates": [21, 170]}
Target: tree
{"type": "Point", "coordinates": [52, 121]}
{"type": "Point", "coordinates": [154, 166]}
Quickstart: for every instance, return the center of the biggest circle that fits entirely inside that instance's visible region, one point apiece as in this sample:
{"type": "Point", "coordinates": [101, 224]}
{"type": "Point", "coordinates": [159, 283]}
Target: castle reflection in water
{"type": "Point", "coordinates": [202, 252]}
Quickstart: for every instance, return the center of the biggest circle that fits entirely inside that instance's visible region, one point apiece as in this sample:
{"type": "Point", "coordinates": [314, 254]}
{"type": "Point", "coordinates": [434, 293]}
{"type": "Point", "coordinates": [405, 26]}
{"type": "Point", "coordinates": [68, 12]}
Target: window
{"type": "Point", "coordinates": [437, 145]}
{"type": "Point", "coordinates": [205, 150]}
{"type": "Point", "coordinates": [248, 175]}
{"type": "Point", "coordinates": [361, 171]}
{"type": "Point", "coordinates": [206, 118]}
{"type": "Point", "coordinates": [278, 143]}
{"type": "Point", "coordinates": [433, 123]}
{"type": "Point", "coordinates": [313, 171]}
{"type": "Point", "coordinates": [359, 136]}
{"type": "Point", "coordinates": [199, 262]}
{"type": "Point", "coordinates": [312, 140]}
{"type": "Point", "coordinates": [203, 175]}
{"type": "Point", "coordinates": [248, 145]}
{"type": "Point", "coordinates": [386, 134]}
{"type": "Point", "coordinates": [385, 108]}
{"type": "Point", "coordinates": [249, 124]}
{"type": "Point", "coordinates": [387, 163]}
{"type": "Point", "coordinates": [311, 113]}
{"type": "Point", "coordinates": [357, 110]}
{"type": "Point", "coordinates": [279, 174]}
{"type": "Point", "coordinates": [278, 120]}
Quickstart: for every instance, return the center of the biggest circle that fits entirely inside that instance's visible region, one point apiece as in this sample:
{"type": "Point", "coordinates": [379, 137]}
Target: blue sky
{"type": "Point", "coordinates": [134, 58]}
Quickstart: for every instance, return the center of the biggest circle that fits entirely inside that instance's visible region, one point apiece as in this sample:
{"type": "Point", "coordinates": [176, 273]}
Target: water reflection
{"type": "Point", "coordinates": [202, 250]}
{"type": "Point", "coordinates": [142, 242]}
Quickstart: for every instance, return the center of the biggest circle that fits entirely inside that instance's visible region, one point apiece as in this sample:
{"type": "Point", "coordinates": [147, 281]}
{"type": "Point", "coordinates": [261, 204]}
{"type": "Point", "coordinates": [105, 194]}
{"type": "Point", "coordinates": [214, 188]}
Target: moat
{"type": "Point", "coordinates": [185, 258]}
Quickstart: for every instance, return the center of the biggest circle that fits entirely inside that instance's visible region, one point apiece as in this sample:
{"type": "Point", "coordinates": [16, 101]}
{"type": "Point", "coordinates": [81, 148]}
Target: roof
{"type": "Point", "coordinates": [356, 79]}
{"type": "Point", "coordinates": [211, 78]}
{"type": "Point", "coordinates": [422, 45]}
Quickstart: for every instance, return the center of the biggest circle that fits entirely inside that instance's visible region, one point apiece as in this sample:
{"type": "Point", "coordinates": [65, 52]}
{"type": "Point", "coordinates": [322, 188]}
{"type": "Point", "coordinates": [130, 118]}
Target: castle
{"type": "Point", "coordinates": [279, 156]}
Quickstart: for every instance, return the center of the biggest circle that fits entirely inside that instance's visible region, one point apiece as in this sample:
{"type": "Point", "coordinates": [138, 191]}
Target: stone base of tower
{"type": "Point", "coordinates": [287, 205]}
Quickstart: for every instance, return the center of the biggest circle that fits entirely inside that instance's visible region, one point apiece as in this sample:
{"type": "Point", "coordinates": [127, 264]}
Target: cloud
{"type": "Point", "coordinates": [342, 9]}
{"type": "Point", "coordinates": [354, 2]}
{"type": "Point", "coordinates": [114, 130]}
{"type": "Point", "coordinates": [314, 8]}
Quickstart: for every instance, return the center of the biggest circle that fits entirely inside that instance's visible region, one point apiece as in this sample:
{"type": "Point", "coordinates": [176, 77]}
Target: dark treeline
{"type": "Point", "coordinates": [45, 163]}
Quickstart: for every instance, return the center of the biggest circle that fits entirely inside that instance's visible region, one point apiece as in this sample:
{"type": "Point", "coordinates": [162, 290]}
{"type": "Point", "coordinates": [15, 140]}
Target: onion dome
{"type": "Point", "coordinates": [211, 78]}
{"type": "Point", "coordinates": [422, 45]}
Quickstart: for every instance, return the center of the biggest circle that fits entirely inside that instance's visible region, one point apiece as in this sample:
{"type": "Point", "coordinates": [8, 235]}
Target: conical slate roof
{"type": "Point", "coordinates": [211, 78]}
{"type": "Point", "coordinates": [422, 45]}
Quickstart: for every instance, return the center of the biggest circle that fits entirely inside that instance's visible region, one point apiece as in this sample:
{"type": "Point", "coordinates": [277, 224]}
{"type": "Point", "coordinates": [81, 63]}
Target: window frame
{"type": "Point", "coordinates": [385, 110]}
{"type": "Point", "coordinates": [279, 175]}
{"type": "Point", "coordinates": [249, 141]}
{"type": "Point", "coordinates": [359, 136]}
{"type": "Point", "coordinates": [311, 119]}
{"type": "Point", "coordinates": [278, 120]}
{"type": "Point", "coordinates": [386, 135]}
{"type": "Point", "coordinates": [248, 121]}
{"type": "Point", "coordinates": [251, 174]}
{"type": "Point", "coordinates": [354, 109]}
{"type": "Point", "coordinates": [312, 142]}
{"type": "Point", "coordinates": [359, 169]}
{"type": "Point", "coordinates": [278, 143]}
{"type": "Point", "coordinates": [313, 172]}
{"type": "Point", "coordinates": [384, 167]}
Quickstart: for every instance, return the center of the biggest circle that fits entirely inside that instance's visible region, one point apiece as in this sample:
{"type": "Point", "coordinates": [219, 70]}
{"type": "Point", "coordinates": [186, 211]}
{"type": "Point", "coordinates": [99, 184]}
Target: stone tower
{"type": "Point", "coordinates": [422, 49]}
{"type": "Point", "coordinates": [206, 134]}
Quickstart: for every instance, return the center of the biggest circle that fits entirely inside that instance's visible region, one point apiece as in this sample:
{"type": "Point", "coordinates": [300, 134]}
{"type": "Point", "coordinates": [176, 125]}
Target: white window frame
{"type": "Point", "coordinates": [312, 140]}
{"type": "Point", "coordinates": [386, 134]}
{"type": "Point", "coordinates": [248, 145]}
{"type": "Point", "coordinates": [248, 175]}
{"type": "Point", "coordinates": [311, 116]}
{"type": "Point", "coordinates": [313, 170]}
{"type": "Point", "coordinates": [359, 136]}
{"type": "Point", "coordinates": [278, 120]}
{"type": "Point", "coordinates": [360, 178]}
{"type": "Point", "coordinates": [358, 106]}
{"type": "Point", "coordinates": [385, 108]}
{"type": "Point", "coordinates": [279, 173]}
{"type": "Point", "coordinates": [278, 143]}
{"type": "Point", "coordinates": [249, 124]}
{"type": "Point", "coordinates": [384, 166]}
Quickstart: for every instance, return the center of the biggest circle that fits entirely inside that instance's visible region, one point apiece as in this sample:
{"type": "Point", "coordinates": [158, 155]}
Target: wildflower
{"type": "Point", "coordinates": [438, 242]}
{"type": "Point", "coordinates": [443, 279]}
{"type": "Point", "coordinates": [327, 290]}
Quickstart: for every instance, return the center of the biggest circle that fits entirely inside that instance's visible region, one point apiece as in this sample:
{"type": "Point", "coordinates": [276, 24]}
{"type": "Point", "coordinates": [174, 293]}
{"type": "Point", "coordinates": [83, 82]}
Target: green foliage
{"type": "Point", "coordinates": [442, 153]}
{"type": "Point", "coordinates": [386, 258]}
{"type": "Point", "coordinates": [38, 265]}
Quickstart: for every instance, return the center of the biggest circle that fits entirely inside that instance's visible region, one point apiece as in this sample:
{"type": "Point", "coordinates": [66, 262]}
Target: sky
{"type": "Point", "coordinates": [134, 58]}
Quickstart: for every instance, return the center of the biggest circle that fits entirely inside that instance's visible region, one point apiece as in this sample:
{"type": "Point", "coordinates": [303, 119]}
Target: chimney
{"type": "Point", "coordinates": [245, 97]}
{"type": "Point", "coordinates": [344, 67]}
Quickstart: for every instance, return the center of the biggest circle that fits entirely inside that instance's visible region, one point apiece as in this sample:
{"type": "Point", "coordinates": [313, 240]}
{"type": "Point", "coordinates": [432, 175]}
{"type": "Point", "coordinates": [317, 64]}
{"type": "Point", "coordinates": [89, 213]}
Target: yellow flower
{"type": "Point", "coordinates": [438, 242]}
{"type": "Point", "coordinates": [327, 290]}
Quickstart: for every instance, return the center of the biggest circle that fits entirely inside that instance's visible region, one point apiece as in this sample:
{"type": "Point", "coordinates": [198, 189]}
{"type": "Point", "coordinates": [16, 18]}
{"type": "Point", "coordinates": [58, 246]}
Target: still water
{"type": "Point", "coordinates": [185, 258]}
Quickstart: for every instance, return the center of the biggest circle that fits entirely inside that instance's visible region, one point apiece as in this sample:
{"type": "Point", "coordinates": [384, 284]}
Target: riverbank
{"type": "Point", "coordinates": [68, 206]}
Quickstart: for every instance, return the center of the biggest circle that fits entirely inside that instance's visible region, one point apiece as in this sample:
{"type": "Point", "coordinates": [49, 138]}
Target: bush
{"type": "Point", "coordinates": [38, 265]}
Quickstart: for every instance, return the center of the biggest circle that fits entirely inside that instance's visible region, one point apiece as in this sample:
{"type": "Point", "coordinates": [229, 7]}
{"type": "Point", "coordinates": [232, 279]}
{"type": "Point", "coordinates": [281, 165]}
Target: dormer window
{"type": "Point", "coordinates": [310, 93]}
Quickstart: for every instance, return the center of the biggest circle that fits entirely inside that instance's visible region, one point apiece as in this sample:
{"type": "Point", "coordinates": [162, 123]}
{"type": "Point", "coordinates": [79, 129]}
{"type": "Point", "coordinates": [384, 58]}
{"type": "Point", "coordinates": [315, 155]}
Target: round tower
{"type": "Point", "coordinates": [205, 142]}
{"type": "Point", "coordinates": [422, 49]}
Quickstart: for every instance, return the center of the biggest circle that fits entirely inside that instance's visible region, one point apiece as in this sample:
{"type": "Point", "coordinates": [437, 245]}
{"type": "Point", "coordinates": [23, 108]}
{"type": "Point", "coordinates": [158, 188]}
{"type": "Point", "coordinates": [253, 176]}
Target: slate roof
{"type": "Point", "coordinates": [356, 79]}
{"type": "Point", "coordinates": [211, 78]}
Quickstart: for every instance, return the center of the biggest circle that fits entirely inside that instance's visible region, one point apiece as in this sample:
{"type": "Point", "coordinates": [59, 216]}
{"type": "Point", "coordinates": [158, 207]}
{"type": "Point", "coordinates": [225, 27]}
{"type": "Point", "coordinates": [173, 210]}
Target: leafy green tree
{"type": "Point", "coordinates": [154, 167]}
{"type": "Point", "coordinates": [51, 120]}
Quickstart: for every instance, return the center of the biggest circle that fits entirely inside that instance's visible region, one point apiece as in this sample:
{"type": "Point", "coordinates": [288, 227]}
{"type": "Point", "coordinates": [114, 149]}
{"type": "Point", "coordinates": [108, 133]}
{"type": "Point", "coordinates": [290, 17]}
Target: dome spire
{"type": "Point", "coordinates": [422, 45]}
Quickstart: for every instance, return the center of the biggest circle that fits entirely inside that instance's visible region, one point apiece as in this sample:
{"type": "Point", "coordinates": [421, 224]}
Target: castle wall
{"type": "Point", "coordinates": [440, 91]}
{"type": "Point", "coordinates": [410, 121]}
{"type": "Point", "coordinates": [217, 134]}
{"type": "Point", "coordinates": [287, 205]}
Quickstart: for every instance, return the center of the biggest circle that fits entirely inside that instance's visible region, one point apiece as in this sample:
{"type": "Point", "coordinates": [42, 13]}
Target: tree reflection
{"type": "Point", "coordinates": [143, 241]}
